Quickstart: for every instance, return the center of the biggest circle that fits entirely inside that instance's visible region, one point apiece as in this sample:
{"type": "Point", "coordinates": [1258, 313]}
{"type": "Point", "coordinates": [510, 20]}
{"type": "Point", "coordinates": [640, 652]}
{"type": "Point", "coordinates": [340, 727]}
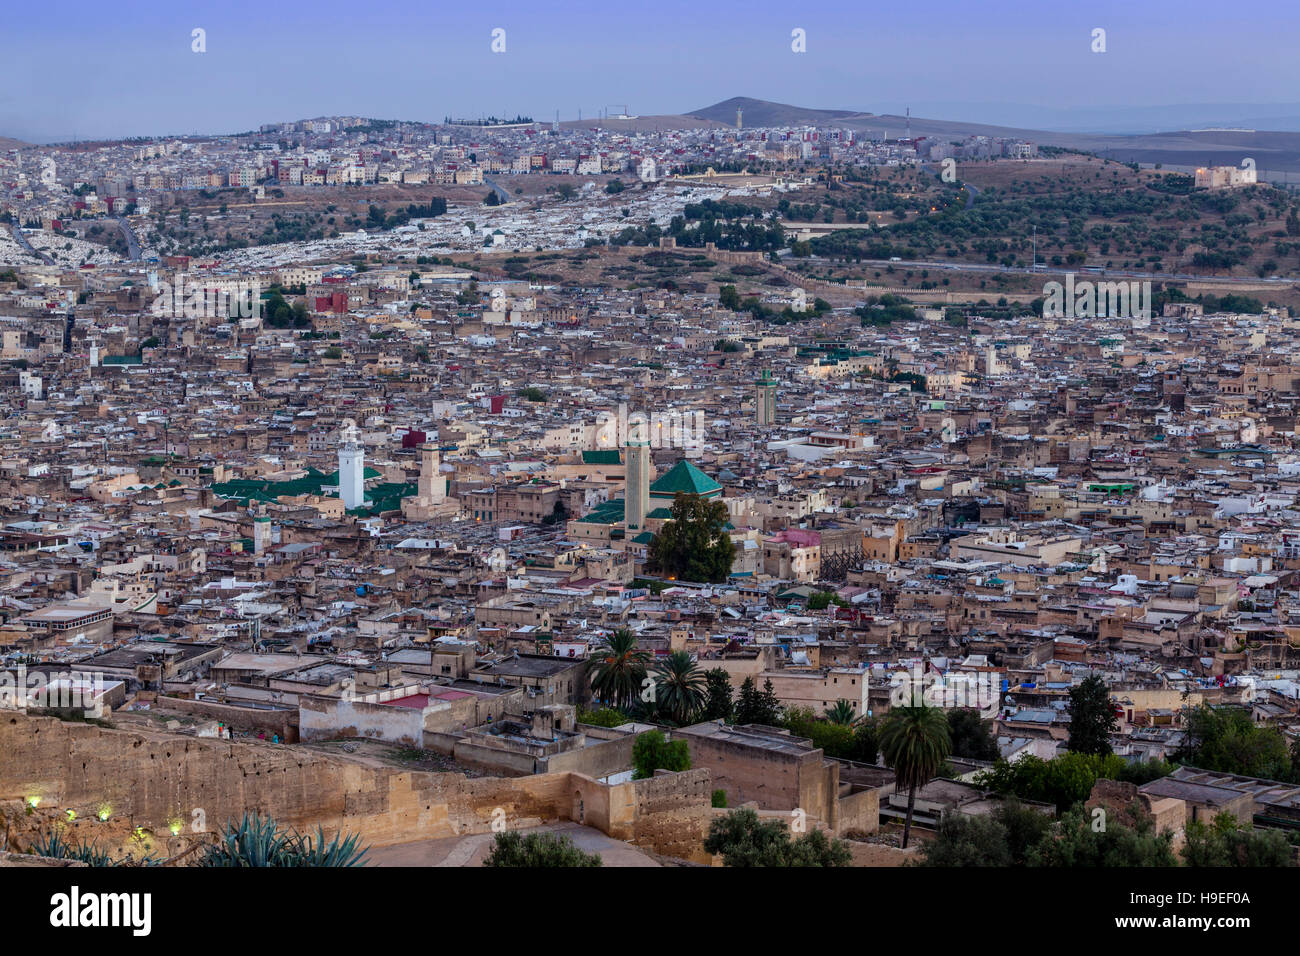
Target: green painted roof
{"type": "Point", "coordinates": [645, 537]}
{"type": "Point", "coordinates": [386, 496]}
{"type": "Point", "coordinates": [607, 512]}
{"type": "Point", "coordinates": [263, 489]}
{"type": "Point", "coordinates": [601, 456]}
{"type": "Point", "coordinates": [664, 513]}
{"type": "Point", "coordinates": [684, 478]}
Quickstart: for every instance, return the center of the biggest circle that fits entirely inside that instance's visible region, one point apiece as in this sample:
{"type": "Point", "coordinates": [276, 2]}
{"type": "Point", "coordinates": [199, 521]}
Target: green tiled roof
{"type": "Point", "coordinates": [684, 478]}
{"type": "Point", "coordinates": [601, 456]}
{"type": "Point", "coordinates": [607, 512]}
{"type": "Point", "coordinates": [385, 497]}
{"type": "Point", "coordinates": [665, 513]}
{"type": "Point", "coordinates": [263, 489]}
{"type": "Point", "coordinates": [645, 537]}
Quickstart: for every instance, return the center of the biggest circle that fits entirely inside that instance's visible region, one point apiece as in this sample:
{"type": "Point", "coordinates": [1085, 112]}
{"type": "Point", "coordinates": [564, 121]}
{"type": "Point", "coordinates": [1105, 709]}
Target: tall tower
{"type": "Point", "coordinates": [739, 125]}
{"type": "Point", "coordinates": [352, 467]}
{"type": "Point", "coordinates": [765, 399]}
{"type": "Point", "coordinates": [432, 486]}
{"type": "Point", "coordinates": [261, 534]}
{"type": "Point", "coordinates": [636, 495]}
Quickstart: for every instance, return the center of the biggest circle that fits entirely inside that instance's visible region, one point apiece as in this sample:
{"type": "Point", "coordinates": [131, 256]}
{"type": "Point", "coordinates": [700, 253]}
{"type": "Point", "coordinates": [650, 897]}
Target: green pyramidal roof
{"type": "Point", "coordinates": [685, 478]}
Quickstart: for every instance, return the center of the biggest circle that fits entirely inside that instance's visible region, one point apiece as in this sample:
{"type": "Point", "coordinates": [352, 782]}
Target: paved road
{"type": "Point", "coordinates": [22, 241]}
{"type": "Point", "coordinates": [132, 244]}
{"type": "Point", "coordinates": [1080, 272]}
{"type": "Point", "coordinates": [500, 191]}
{"type": "Point", "coordinates": [471, 850]}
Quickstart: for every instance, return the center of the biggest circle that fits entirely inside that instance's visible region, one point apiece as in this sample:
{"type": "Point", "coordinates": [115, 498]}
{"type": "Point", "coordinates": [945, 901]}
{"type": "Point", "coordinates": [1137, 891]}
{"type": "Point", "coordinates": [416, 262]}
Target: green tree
{"type": "Point", "coordinates": [653, 751]}
{"type": "Point", "coordinates": [757, 707]}
{"type": "Point", "coordinates": [866, 741]}
{"type": "Point", "coordinates": [1001, 838]}
{"type": "Point", "coordinates": [842, 713]}
{"type": "Point", "coordinates": [1225, 739]}
{"type": "Point", "coordinates": [679, 687]}
{"type": "Point", "coordinates": [717, 702]}
{"type": "Point", "coordinates": [1225, 842]}
{"type": "Point", "coordinates": [1092, 717]}
{"type": "Point", "coordinates": [693, 545]}
{"type": "Point", "coordinates": [1128, 839]}
{"type": "Point", "coordinates": [964, 840]}
{"type": "Point", "coordinates": [914, 741]}
{"type": "Point", "coordinates": [1063, 781]}
{"type": "Point", "coordinates": [971, 736]}
{"type": "Point", "coordinates": [537, 849]}
{"type": "Point", "coordinates": [743, 840]}
{"type": "Point", "coordinates": [618, 668]}
{"type": "Point", "coordinates": [602, 717]}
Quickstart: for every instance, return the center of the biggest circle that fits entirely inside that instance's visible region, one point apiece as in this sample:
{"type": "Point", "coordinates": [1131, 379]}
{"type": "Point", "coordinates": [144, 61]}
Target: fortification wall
{"type": "Point", "coordinates": [153, 780]}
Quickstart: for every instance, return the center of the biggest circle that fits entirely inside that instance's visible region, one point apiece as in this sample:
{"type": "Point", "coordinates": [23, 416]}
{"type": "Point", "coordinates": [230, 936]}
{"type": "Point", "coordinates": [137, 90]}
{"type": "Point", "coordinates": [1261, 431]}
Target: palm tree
{"type": "Point", "coordinates": [842, 713]}
{"type": "Point", "coordinates": [914, 742]}
{"type": "Point", "coordinates": [680, 686]}
{"type": "Point", "coordinates": [618, 667]}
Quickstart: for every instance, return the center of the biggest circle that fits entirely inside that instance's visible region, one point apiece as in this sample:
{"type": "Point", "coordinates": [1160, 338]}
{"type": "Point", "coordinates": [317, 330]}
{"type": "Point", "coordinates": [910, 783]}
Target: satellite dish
{"type": "Point", "coordinates": [1008, 699]}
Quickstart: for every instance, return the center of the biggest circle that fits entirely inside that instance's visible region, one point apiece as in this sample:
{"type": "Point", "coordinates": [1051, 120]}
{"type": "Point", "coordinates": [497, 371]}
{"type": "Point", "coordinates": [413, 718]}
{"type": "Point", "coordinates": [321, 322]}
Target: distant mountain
{"type": "Point", "coordinates": [1276, 152]}
{"type": "Point", "coordinates": [7, 143]}
{"type": "Point", "coordinates": [765, 113]}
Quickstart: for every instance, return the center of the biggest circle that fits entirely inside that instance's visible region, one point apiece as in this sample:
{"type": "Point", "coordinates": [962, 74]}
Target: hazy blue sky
{"type": "Point", "coordinates": [98, 70]}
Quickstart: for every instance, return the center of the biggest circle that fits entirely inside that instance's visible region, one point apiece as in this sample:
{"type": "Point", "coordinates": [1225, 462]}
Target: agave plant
{"type": "Point", "coordinates": [56, 846]}
{"type": "Point", "coordinates": [257, 841]}
{"type": "Point", "coordinates": [340, 851]}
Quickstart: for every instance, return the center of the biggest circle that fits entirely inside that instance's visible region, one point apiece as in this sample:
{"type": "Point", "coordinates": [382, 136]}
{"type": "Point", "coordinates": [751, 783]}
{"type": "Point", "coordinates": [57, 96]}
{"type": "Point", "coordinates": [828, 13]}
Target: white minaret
{"type": "Point", "coordinates": [433, 487]}
{"type": "Point", "coordinates": [352, 466]}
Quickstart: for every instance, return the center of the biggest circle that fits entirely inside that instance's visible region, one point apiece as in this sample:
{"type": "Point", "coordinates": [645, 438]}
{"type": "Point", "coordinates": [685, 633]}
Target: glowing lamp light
{"type": "Point", "coordinates": [33, 801]}
{"type": "Point", "coordinates": [175, 827]}
{"type": "Point", "coordinates": [72, 815]}
{"type": "Point", "coordinates": [104, 813]}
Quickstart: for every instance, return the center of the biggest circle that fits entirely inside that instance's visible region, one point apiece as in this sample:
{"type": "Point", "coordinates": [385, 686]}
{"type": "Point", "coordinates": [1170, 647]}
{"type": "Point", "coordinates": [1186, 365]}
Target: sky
{"type": "Point", "coordinates": [87, 69]}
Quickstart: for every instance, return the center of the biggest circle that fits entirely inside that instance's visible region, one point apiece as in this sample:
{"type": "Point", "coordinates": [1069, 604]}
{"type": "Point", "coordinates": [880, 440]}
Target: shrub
{"type": "Point", "coordinates": [538, 849]}
{"type": "Point", "coordinates": [744, 840]}
{"type": "Point", "coordinates": [652, 751]}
